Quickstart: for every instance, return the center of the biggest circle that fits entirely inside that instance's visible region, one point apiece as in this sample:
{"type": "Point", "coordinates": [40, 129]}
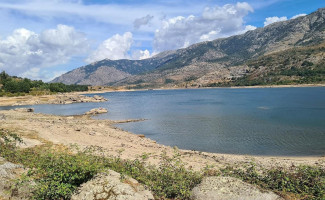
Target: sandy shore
{"type": "Point", "coordinates": [82, 130]}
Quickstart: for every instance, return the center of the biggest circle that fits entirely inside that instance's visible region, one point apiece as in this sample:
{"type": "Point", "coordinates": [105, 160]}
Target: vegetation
{"type": "Point", "coordinates": [300, 182]}
{"type": "Point", "coordinates": [15, 86]}
{"type": "Point", "coordinates": [58, 171]}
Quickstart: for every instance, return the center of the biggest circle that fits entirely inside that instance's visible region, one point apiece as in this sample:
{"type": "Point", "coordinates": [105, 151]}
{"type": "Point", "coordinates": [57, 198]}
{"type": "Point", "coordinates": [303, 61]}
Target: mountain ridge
{"type": "Point", "coordinates": [224, 57]}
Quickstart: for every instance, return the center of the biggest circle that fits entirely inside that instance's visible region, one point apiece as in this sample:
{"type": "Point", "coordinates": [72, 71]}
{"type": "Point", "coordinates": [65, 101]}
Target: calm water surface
{"type": "Point", "coordinates": [259, 121]}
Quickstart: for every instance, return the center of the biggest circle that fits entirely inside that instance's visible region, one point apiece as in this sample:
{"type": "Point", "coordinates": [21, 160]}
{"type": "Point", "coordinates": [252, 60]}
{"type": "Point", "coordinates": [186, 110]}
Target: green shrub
{"type": "Point", "coordinates": [170, 180]}
{"type": "Point", "coordinates": [304, 182]}
{"type": "Point", "coordinates": [58, 173]}
{"type": "Point", "coordinates": [8, 141]}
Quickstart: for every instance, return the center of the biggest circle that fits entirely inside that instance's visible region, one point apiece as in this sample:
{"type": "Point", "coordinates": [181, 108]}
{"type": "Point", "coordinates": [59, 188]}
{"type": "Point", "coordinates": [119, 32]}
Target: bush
{"type": "Point", "coordinates": [58, 173]}
{"type": "Point", "coordinates": [8, 141]}
{"type": "Point", "coordinates": [304, 182]}
{"type": "Point", "coordinates": [170, 180]}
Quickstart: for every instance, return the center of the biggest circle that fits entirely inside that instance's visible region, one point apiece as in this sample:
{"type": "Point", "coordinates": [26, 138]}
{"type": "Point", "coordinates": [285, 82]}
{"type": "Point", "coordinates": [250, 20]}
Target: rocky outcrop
{"type": "Point", "coordinates": [96, 111]}
{"type": "Point", "coordinates": [110, 186]}
{"type": "Point", "coordinates": [229, 188]}
{"type": "Point", "coordinates": [69, 99]}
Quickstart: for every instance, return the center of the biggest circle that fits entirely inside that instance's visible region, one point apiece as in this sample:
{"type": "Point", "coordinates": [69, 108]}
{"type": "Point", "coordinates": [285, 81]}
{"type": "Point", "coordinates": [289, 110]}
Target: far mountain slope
{"type": "Point", "coordinates": [214, 61]}
{"type": "Point", "coordinates": [293, 66]}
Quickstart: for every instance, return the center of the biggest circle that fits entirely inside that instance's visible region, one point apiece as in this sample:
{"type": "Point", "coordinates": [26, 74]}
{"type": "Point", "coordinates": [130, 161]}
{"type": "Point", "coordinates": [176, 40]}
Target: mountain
{"type": "Point", "coordinates": [299, 65]}
{"type": "Point", "coordinates": [208, 63]}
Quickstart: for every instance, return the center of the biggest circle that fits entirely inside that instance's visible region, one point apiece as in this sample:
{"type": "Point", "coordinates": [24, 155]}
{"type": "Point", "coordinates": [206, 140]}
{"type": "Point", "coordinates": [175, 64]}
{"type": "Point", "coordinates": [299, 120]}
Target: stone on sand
{"type": "Point", "coordinates": [229, 188]}
{"type": "Point", "coordinates": [108, 185]}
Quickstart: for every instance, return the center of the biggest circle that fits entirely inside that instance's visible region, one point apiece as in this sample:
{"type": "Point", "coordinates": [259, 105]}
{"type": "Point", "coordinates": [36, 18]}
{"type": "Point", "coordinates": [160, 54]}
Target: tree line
{"type": "Point", "coordinates": [13, 84]}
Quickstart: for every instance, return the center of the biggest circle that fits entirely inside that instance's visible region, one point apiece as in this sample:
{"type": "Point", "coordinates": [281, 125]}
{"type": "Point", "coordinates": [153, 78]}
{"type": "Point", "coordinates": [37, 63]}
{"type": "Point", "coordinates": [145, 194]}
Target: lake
{"type": "Point", "coordinates": [252, 121]}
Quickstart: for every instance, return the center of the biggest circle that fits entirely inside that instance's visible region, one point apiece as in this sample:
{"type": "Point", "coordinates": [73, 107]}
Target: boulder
{"type": "Point", "coordinates": [229, 188]}
{"type": "Point", "coordinates": [24, 109]}
{"type": "Point", "coordinates": [108, 185]}
{"type": "Point", "coordinates": [99, 98]}
{"type": "Point", "coordinates": [96, 111]}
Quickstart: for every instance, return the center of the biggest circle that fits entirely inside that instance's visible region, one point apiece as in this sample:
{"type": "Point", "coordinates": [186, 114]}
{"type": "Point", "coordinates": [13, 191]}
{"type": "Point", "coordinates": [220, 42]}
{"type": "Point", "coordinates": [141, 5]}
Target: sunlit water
{"type": "Point", "coordinates": [263, 121]}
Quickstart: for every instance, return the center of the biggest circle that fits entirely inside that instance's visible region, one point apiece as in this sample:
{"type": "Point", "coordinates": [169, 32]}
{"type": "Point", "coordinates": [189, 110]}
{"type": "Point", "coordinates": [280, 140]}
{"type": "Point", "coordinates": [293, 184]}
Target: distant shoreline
{"type": "Point", "coordinates": [44, 99]}
{"type": "Point", "coordinates": [182, 88]}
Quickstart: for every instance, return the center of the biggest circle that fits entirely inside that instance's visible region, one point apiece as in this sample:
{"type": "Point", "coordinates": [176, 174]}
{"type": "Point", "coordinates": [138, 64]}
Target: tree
{"type": "Point", "coordinates": [4, 77]}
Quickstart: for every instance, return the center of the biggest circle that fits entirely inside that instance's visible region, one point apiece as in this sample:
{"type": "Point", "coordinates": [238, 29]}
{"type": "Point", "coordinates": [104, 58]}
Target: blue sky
{"type": "Point", "coordinates": [43, 39]}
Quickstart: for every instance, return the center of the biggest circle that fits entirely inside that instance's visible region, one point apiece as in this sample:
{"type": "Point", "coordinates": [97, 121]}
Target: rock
{"type": "Point", "coordinates": [108, 185]}
{"type": "Point", "coordinates": [2, 117]}
{"type": "Point", "coordinates": [97, 97]}
{"type": "Point", "coordinates": [24, 109]}
{"type": "Point", "coordinates": [6, 169]}
{"type": "Point", "coordinates": [72, 98]}
{"type": "Point", "coordinates": [96, 111]}
{"type": "Point", "coordinates": [141, 136]}
{"type": "Point", "coordinates": [8, 173]}
{"type": "Point", "coordinates": [229, 188]}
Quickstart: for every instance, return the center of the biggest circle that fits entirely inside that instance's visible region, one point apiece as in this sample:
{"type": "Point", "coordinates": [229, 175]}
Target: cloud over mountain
{"type": "Point", "coordinates": [214, 22]}
{"type": "Point", "coordinates": [117, 47]}
{"type": "Point", "coordinates": [271, 20]}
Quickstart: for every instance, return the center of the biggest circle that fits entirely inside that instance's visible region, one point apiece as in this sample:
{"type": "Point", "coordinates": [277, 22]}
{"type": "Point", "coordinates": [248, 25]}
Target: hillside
{"type": "Point", "coordinates": [207, 63]}
{"type": "Point", "coordinates": [294, 66]}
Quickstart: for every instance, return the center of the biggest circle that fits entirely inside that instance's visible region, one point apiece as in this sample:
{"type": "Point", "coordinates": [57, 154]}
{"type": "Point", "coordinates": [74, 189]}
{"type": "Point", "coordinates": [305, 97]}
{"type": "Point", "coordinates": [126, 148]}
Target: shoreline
{"type": "Point", "coordinates": [37, 129]}
{"type": "Point", "coordinates": [45, 99]}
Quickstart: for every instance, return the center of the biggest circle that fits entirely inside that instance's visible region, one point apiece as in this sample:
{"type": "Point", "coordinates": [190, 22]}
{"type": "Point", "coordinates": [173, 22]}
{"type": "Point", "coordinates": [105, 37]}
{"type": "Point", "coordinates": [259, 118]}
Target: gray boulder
{"type": "Point", "coordinates": [96, 111]}
{"type": "Point", "coordinates": [108, 185]}
{"type": "Point", "coordinates": [229, 188]}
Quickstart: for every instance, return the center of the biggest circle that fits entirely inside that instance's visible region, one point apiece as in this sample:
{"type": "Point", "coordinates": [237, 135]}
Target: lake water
{"type": "Point", "coordinates": [259, 121]}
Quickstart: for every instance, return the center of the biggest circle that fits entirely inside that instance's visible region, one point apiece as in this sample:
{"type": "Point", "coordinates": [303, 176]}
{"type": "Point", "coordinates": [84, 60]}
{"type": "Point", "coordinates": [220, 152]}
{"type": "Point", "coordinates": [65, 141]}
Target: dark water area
{"type": "Point", "coordinates": [259, 121]}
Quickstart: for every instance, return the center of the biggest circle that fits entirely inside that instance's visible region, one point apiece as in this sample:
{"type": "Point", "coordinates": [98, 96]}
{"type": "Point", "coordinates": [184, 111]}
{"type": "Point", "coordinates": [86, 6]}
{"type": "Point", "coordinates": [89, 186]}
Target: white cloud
{"type": "Point", "coordinates": [41, 74]}
{"type": "Point", "coordinates": [117, 47]}
{"type": "Point", "coordinates": [271, 20]}
{"type": "Point", "coordinates": [114, 48]}
{"type": "Point", "coordinates": [250, 28]}
{"type": "Point", "coordinates": [299, 15]}
{"type": "Point", "coordinates": [26, 52]}
{"type": "Point", "coordinates": [142, 21]}
{"type": "Point", "coordinates": [214, 23]}
{"type": "Point", "coordinates": [140, 55]}
{"type": "Point", "coordinates": [33, 73]}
